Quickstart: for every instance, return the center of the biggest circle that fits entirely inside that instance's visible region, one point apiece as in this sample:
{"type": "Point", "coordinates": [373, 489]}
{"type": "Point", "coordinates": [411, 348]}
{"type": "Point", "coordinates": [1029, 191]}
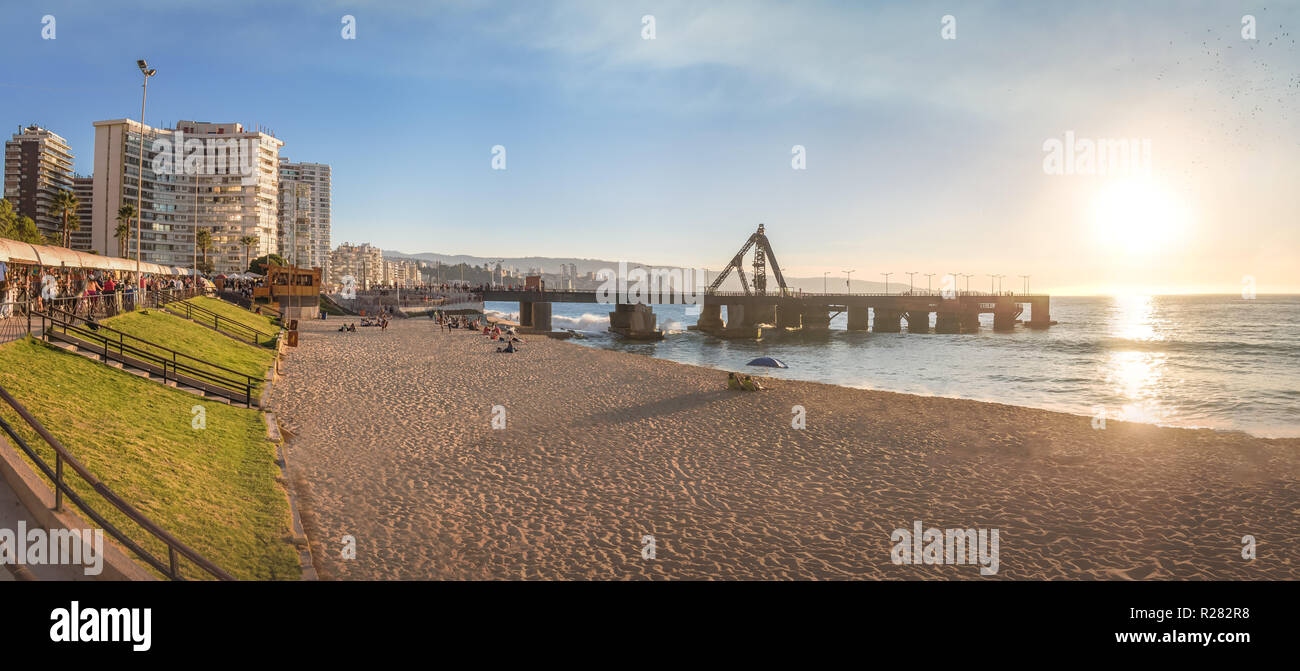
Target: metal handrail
{"type": "Point", "coordinates": [217, 320]}
{"type": "Point", "coordinates": [237, 299]}
{"type": "Point", "coordinates": [123, 349]}
{"type": "Point", "coordinates": [167, 300]}
{"type": "Point", "coordinates": [61, 488]}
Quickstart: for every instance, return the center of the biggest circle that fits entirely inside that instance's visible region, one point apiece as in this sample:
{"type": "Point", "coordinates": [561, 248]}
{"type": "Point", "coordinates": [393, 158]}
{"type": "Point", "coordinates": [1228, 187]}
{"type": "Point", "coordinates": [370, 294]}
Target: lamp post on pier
{"type": "Point", "coordinates": [886, 282]}
{"type": "Point", "coordinates": [910, 288]}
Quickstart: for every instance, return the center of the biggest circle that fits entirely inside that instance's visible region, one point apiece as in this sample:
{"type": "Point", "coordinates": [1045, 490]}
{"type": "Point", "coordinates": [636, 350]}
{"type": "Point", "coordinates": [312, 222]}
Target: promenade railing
{"type": "Point", "coordinates": [171, 568]}
{"type": "Point", "coordinates": [207, 317]}
{"type": "Point", "coordinates": [248, 303]}
{"type": "Point", "coordinates": [108, 341]}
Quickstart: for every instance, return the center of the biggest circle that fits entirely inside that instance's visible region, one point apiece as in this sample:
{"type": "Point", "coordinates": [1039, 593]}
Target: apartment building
{"type": "Point", "coordinates": [363, 262]}
{"type": "Point", "coordinates": [403, 273]}
{"type": "Point", "coordinates": [37, 165]}
{"type": "Point", "coordinates": [217, 176]}
{"type": "Point", "coordinates": [304, 235]}
{"type": "Point", "coordinates": [84, 189]}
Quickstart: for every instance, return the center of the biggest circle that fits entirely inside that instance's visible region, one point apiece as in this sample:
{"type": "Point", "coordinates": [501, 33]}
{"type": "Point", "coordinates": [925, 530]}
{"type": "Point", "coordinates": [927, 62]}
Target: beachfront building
{"type": "Point", "coordinates": [304, 238]}
{"type": "Point", "coordinates": [37, 165]}
{"type": "Point", "coordinates": [216, 176]}
{"type": "Point", "coordinates": [403, 273]}
{"type": "Point", "coordinates": [363, 262]}
{"type": "Point", "coordinates": [84, 189]}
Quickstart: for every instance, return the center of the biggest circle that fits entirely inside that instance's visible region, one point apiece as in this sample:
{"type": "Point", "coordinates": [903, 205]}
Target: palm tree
{"type": "Point", "coordinates": [125, 215]}
{"type": "Point", "coordinates": [65, 205]}
{"type": "Point", "coordinates": [204, 241]}
{"type": "Point", "coordinates": [247, 241]}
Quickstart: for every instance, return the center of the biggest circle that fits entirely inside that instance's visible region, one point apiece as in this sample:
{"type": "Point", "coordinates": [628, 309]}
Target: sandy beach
{"type": "Point", "coordinates": [391, 442]}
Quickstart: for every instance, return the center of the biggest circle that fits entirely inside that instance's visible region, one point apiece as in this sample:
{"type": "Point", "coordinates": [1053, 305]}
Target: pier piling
{"type": "Point", "coordinates": [918, 321]}
{"type": "Point", "coordinates": [857, 318]}
{"type": "Point", "coordinates": [885, 320]}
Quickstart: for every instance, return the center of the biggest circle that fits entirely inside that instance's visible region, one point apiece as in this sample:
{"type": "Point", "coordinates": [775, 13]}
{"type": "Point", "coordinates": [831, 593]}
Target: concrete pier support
{"type": "Point", "coordinates": [737, 315]}
{"type": "Point", "coordinates": [1040, 313]}
{"type": "Point", "coordinates": [525, 314]}
{"type": "Point", "coordinates": [947, 322]}
{"type": "Point", "coordinates": [885, 321]}
{"type": "Point", "coordinates": [788, 316]}
{"type": "Point", "coordinates": [918, 321]}
{"type": "Point", "coordinates": [1004, 315]}
{"type": "Point", "coordinates": [541, 317]}
{"type": "Point", "coordinates": [637, 322]}
{"type": "Point", "coordinates": [970, 322]}
{"type": "Point", "coordinates": [815, 318]}
{"type": "Point", "coordinates": [710, 319]}
{"type": "Point", "coordinates": [857, 318]}
{"type": "Point", "coordinates": [741, 322]}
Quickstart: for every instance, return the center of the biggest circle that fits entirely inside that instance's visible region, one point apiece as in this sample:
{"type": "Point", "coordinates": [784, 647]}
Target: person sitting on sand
{"type": "Point", "coordinates": [749, 384]}
{"type": "Point", "coordinates": [343, 328]}
{"type": "Point", "coordinates": [733, 382]}
{"type": "Point", "coordinates": [508, 349]}
{"type": "Point", "coordinates": [352, 327]}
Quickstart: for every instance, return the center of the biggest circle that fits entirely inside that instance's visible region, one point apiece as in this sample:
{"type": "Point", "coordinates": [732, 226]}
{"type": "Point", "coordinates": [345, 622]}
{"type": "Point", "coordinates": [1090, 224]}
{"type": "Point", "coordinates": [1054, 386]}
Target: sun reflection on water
{"type": "Point", "coordinates": [1136, 376]}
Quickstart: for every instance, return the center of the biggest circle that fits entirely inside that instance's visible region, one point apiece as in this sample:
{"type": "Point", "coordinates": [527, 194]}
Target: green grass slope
{"type": "Point", "coordinates": [182, 335]}
{"type": "Point", "coordinates": [214, 488]}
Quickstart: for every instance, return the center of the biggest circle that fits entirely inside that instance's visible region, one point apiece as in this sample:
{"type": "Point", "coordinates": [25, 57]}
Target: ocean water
{"type": "Point", "coordinates": [1219, 362]}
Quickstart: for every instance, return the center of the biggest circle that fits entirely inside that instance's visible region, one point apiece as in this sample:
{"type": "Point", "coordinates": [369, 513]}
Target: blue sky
{"type": "Point", "coordinates": [923, 154]}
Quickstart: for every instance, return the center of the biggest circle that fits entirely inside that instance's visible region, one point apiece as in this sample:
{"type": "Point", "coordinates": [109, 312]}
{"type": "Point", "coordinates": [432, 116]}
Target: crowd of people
{"type": "Point", "coordinates": [508, 339]}
{"type": "Point", "coordinates": [79, 290]}
{"type": "Point", "coordinates": [380, 320]}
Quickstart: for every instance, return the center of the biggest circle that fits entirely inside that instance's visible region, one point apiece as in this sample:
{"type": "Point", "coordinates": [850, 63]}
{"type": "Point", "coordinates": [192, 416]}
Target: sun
{"type": "Point", "coordinates": [1139, 216]}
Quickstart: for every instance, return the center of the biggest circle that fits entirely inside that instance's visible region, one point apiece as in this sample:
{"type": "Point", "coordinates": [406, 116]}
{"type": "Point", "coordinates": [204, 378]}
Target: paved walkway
{"type": "Point", "coordinates": [11, 513]}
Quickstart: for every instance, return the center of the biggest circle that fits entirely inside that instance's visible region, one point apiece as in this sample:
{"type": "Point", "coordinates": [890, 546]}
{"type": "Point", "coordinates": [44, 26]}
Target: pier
{"type": "Point", "coordinates": [755, 309]}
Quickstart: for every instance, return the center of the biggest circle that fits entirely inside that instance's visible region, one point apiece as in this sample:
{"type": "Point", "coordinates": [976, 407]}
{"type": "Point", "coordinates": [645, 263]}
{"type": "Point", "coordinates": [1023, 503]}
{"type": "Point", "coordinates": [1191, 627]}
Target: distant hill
{"type": "Point", "coordinates": [551, 264]}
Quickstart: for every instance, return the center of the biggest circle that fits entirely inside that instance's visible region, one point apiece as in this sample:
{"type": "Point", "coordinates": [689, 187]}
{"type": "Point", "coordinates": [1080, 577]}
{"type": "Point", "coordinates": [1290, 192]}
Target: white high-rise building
{"type": "Point", "coordinates": [197, 175]}
{"type": "Point", "coordinates": [305, 214]}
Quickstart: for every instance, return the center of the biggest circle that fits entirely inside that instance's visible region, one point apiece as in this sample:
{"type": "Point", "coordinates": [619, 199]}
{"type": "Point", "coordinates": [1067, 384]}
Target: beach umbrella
{"type": "Point", "coordinates": [768, 361]}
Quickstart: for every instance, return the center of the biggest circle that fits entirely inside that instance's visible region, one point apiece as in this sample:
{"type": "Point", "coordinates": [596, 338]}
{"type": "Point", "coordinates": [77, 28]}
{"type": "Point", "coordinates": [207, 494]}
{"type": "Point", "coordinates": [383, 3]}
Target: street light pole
{"type": "Point", "coordinates": [848, 280]}
{"type": "Point", "coordinates": [139, 187]}
{"type": "Point", "coordinates": [195, 246]}
{"type": "Point", "coordinates": [927, 282]}
{"type": "Point", "coordinates": [992, 278]}
{"type": "Point", "coordinates": [1026, 279]}
{"type": "Point", "coordinates": [910, 288]}
{"type": "Point", "coordinates": [825, 275]}
{"type": "Point", "coordinates": [886, 281]}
